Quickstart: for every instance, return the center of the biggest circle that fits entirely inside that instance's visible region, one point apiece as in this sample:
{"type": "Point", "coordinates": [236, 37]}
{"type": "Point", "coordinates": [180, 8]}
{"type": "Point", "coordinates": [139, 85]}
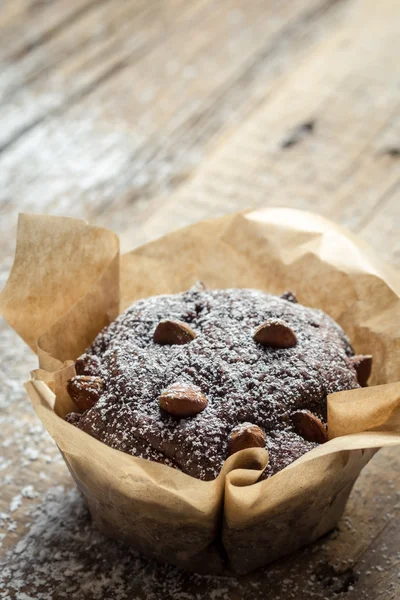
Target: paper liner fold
{"type": "Point", "coordinates": [67, 283]}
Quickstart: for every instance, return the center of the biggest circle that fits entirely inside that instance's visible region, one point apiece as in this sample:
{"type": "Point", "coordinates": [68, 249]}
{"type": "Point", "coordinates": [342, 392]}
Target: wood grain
{"type": "Point", "coordinates": [143, 129]}
{"type": "Point", "coordinates": [342, 167]}
{"type": "Point", "coordinates": [146, 116]}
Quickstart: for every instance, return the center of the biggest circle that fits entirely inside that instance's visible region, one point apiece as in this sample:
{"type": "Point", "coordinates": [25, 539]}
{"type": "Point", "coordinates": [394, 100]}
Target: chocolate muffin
{"type": "Point", "coordinates": [188, 379]}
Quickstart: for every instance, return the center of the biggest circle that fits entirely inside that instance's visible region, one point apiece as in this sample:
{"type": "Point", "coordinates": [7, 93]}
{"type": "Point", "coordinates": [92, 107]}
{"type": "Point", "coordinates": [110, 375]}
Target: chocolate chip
{"type": "Point", "coordinates": [182, 400]}
{"type": "Point", "coordinates": [170, 332]}
{"type": "Point", "coordinates": [363, 365]}
{"type": "Point", "coordinates": [87, 364]}
{"type": "Point", "coordinates": [85, 390]}
{"type": "Point", "coordinates": [276, 334]}
{"type": "Point", "coordinates": [309, 426]}
{"type": "Point", "coordinates": [246, 435]}
{"type": "Point", "coordinates": [289, 296]}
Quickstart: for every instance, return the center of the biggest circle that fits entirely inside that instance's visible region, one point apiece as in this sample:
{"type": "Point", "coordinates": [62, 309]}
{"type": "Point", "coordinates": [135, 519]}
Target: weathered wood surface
{"type": "Point", "coordinates": [145, 116]}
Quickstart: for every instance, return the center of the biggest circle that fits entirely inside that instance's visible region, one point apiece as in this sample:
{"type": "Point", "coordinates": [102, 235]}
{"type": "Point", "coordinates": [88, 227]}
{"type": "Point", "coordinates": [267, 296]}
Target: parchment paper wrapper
{"type": "Point", "coordinates": [68, 281]}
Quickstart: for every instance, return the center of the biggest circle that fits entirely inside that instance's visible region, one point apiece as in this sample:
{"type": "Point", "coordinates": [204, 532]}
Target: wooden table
{"type": "Point", "coordinates": [146, 116]}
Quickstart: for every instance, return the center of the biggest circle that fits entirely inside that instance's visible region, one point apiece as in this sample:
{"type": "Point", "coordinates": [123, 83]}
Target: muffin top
{"type": "Point", "coordinates": [188, 379]}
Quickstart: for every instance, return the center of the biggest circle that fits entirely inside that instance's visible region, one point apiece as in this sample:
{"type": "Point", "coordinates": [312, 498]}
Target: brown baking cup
{"type": "Point", "coordinates": [69, 281]}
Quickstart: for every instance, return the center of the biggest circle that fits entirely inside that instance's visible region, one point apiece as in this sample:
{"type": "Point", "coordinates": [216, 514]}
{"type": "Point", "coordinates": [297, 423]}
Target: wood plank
{"type": "Point", "coordinates": [89, 31]}
{"type": "Point", "coordinates": [379, 161]}
{"type": "Point", "coordinates": [115, 149]}
{"type": "Point", "coordinates": [25, 24]}
{"type": "Point", "coordinates": [381, 227]}
{"type": "Point", "coordinates": [351, 103]}
{"type": "Point", "coordinates": [81, 57]}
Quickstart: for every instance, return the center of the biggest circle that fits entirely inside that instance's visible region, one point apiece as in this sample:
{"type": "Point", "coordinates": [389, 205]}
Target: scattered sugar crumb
{"type": "Point", "coordinates": [15, 503]}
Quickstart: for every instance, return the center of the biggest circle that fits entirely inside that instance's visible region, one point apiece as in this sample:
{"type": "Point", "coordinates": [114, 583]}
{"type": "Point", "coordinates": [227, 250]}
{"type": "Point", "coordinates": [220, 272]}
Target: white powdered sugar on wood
{"type": "Point", "coordinates": [62, 555]}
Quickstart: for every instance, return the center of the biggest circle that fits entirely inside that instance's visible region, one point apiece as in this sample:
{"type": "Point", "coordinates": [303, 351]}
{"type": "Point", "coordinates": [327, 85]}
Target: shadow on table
{"type": "Point", "coordinates": [62, 556]}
